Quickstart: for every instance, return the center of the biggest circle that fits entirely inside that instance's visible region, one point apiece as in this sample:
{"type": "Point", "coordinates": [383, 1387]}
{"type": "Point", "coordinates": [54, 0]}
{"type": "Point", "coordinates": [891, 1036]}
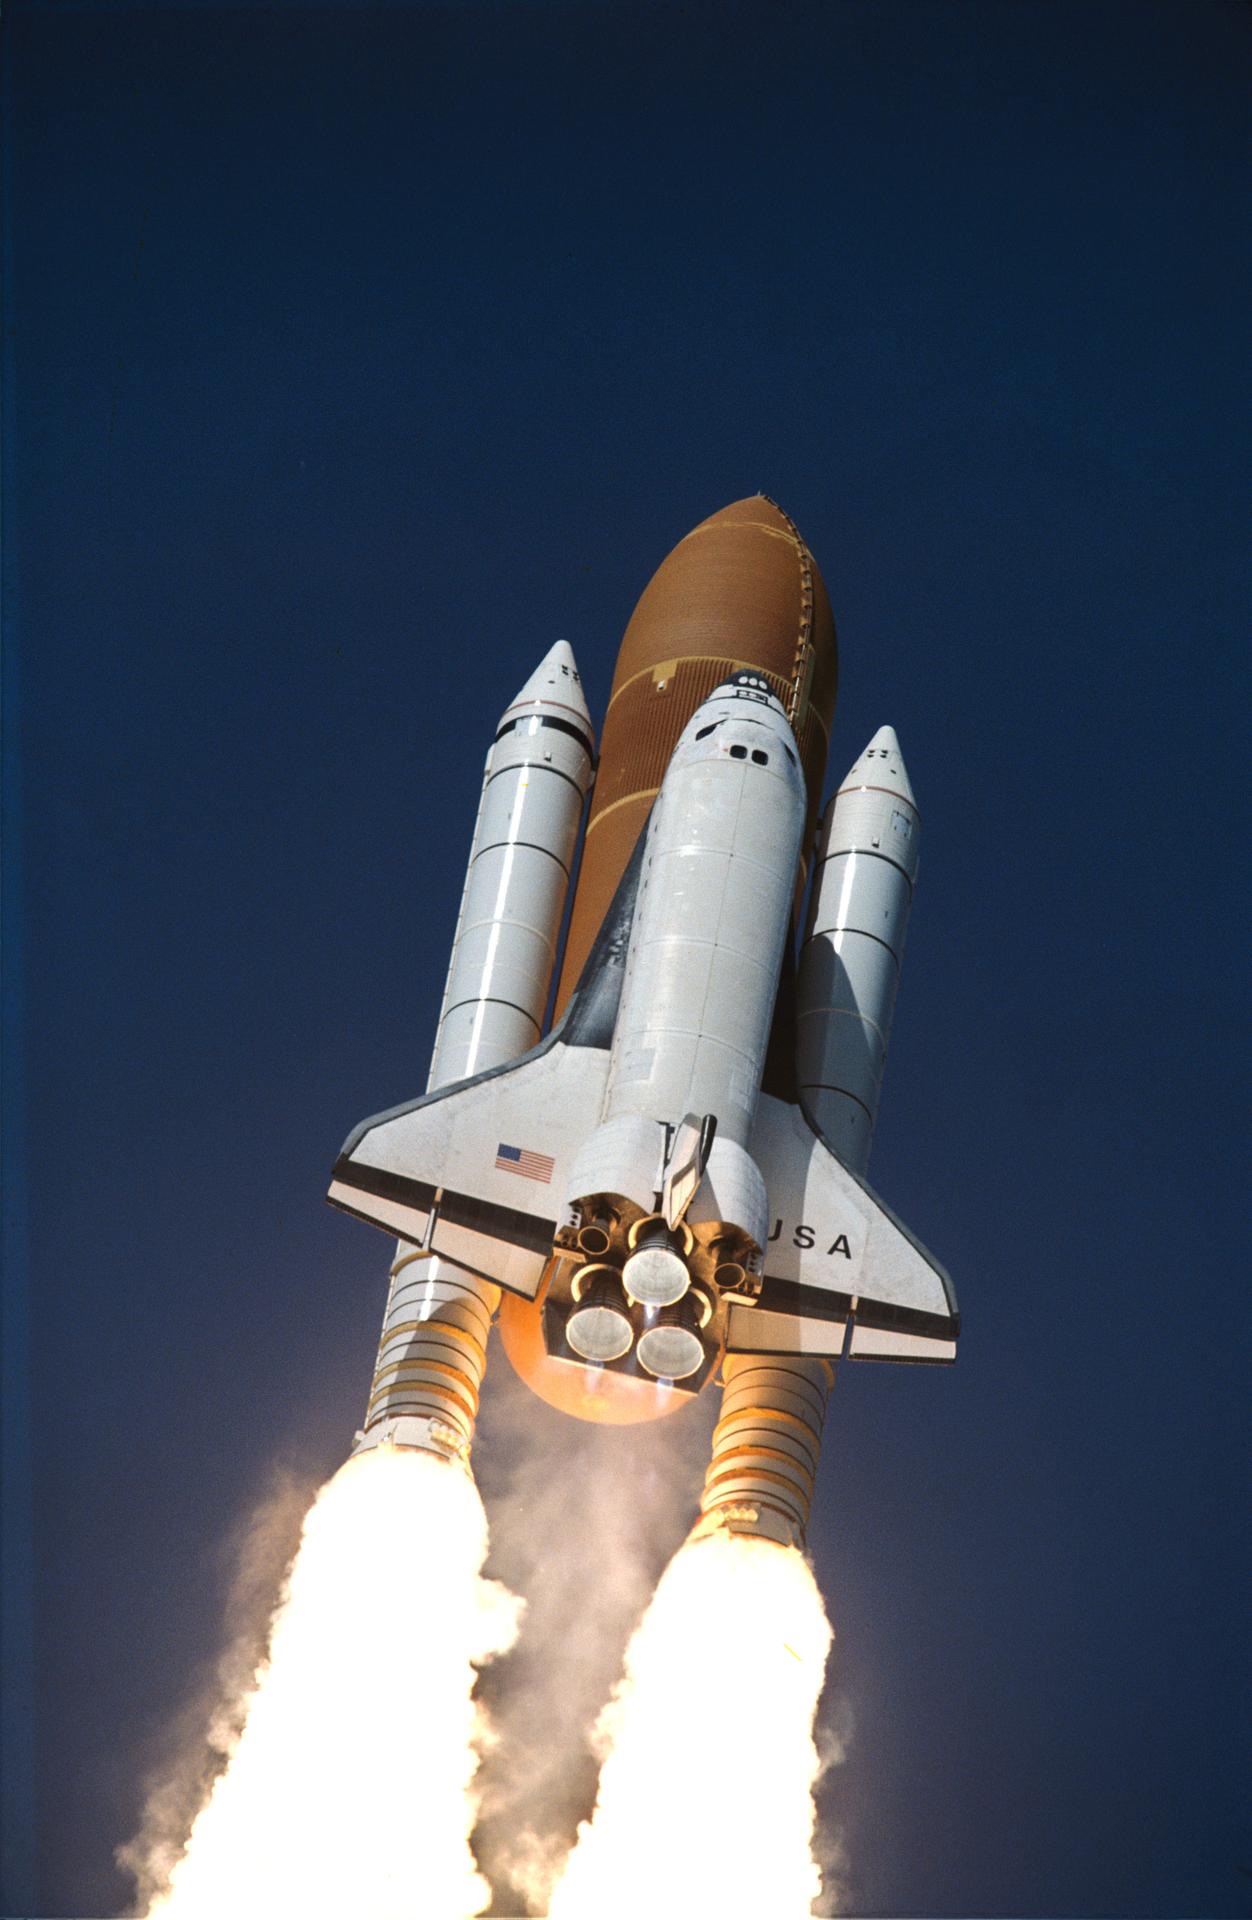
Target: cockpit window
{"type": "Point", "coordinates": [704, 732]}
{"type": "Point", "coordinates": [739, 753]}
{"type": "Point", "coordinates": [759, 759]}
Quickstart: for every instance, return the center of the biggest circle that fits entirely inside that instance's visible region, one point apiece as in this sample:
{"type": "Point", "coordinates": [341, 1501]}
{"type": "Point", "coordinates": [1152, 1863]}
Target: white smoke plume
{"type": "Point", "coordinates": [583, 1520]}
{"type": "Point", "coordinates": [832, 1737]}
{"type": "Point", "coordinates": [252, 1563]}
{"type": "Point", "coordinates": [350, 1785]}
{"type": "Point", "coordinates": [710, 1733]}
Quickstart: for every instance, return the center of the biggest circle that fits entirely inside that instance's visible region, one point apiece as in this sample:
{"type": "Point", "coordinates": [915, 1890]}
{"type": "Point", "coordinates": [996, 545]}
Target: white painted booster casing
{"type": "Point", "coordinates": [433, 1350]}
{"type": "Point", "coordinates": [504, 949]}
{"type": "Point", "coordinates": [711, 918]}
{"type": "Point", "coordinates": [853, 946]}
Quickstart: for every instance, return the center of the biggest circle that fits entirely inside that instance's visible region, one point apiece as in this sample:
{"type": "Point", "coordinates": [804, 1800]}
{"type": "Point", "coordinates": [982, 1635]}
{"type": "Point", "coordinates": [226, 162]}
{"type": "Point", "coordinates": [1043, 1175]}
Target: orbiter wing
{"type": "Point", "coordinates": [476, 1172]}
{"type": "Point", "coordinates": [837, 1253]}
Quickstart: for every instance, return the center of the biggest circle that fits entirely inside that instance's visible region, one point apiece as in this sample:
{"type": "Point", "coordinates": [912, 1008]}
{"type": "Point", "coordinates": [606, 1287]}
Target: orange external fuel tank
{"type": "Point", "coordinates": [740, 591]}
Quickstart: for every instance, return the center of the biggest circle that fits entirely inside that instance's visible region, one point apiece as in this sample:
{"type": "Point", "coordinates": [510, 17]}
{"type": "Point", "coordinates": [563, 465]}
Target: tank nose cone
{"type": "Point", "coordinates": [881, 765]}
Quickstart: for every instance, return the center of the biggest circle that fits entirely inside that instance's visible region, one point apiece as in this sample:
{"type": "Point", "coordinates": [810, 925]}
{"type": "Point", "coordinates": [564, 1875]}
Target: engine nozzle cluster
{"type": "Point", "coordinates": [647, 1304]}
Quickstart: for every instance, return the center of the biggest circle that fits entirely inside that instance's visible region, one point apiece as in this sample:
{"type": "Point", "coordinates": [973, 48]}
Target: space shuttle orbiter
{"type": "Point", "coordinates": [668, 1187]}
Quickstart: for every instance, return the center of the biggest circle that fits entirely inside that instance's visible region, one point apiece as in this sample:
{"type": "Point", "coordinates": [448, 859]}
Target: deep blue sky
{"type": "Point", "coordinates": [355, 355]}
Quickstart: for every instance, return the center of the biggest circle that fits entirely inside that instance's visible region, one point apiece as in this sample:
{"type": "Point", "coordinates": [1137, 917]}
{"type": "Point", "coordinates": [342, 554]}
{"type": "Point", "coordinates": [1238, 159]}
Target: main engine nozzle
{"type": "Point", "coordinates": [671, 1348]}
{"type": "Point", "coordinates": [599, 1328]}
{"type": "Point", "coordinates": [656, 1273]}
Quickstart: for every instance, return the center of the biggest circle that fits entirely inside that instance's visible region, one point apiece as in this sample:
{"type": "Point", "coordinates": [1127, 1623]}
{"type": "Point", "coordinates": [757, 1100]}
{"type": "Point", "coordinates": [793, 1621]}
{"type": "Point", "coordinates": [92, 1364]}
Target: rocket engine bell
{"type": "Point", "coordinates": [668, 1185]}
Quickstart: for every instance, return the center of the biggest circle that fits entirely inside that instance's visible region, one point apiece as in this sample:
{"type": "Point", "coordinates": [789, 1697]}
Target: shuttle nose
{"type": "Point", "coordinates": [753, 689]}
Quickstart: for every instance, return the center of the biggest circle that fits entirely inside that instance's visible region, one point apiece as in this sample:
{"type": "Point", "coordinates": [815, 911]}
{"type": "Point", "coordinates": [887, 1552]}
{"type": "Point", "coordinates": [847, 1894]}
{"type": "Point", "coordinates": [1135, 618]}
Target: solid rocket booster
{"type": "Point", "coordinates": [854, 945]}
{"type": "Point", "coordinates": [433, 1350]}
{"type": "Point", "coordinates": [535, 780]}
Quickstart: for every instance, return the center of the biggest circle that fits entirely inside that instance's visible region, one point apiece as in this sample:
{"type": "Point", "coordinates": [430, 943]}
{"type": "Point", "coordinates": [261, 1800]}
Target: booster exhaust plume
{"type": "Point", "coordinates": [350, 1789]}
{"type": "Point", "coordinates": [716, 1709]}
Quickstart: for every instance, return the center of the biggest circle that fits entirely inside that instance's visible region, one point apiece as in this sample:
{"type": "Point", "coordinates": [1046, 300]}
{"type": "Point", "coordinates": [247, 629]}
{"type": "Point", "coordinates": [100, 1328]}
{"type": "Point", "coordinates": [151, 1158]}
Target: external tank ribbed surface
{"type": "Point", "coordinates": [741, 590]}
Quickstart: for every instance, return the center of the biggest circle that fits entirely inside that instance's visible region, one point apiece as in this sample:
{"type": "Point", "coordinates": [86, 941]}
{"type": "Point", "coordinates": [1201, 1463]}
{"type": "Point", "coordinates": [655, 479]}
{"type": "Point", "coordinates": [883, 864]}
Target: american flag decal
{"type": "Point", "coordinates": [531, 1166]}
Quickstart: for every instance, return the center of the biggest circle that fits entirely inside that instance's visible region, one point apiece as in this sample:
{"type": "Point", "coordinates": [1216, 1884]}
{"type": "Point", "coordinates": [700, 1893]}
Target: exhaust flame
{"type": "Point", "coordinates": [350, 1789]}
{"type": "Point", "coordinates": [710, 1733]}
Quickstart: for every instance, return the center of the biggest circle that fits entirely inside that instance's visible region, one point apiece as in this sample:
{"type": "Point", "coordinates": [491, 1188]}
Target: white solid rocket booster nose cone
{"type": "Point", "coordinates": [881, 765]}
{"type": "Point", "coordinates": [555, 681]}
